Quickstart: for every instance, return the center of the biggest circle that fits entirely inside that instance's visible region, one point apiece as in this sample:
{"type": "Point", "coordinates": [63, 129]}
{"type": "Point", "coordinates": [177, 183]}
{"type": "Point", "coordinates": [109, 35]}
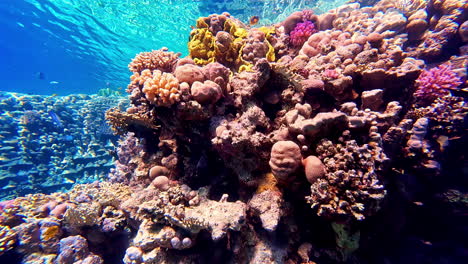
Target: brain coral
{"type": "Point", "coordinates": [162, 89]}
{"type": "Point", "coordinates": [285, 158]}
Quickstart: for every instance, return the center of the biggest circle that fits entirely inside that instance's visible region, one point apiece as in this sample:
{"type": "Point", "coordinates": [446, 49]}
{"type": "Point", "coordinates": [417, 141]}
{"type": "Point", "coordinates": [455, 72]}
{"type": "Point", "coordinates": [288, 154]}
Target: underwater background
{"type": "Point", "coordinates": [85, 45]}
{"type": "Point", "coordinates": [57, 48]}
{"type": "Point", "coordinates": [233, 131]}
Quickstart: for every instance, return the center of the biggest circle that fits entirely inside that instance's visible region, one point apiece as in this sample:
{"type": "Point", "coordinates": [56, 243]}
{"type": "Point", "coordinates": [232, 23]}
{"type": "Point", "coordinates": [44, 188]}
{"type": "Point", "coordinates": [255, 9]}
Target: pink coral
{"type": "Point", "coordinates": [435, 83]}
{"type": "Point", "coordinates": [189, 73]}
{"type": "Point", "coordinates": [301, 33]}
{"type": "Point", "coordinates": [207, 92]}
{"type": "Point", "coordinates": [314, 168]}
{"type": "Point", "coordinates": [285, 158]}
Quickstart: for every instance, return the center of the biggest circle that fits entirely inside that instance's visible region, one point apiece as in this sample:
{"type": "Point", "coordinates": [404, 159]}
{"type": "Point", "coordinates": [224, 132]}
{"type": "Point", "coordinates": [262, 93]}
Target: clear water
{"type": "Point", "coordinates": [81, 46]}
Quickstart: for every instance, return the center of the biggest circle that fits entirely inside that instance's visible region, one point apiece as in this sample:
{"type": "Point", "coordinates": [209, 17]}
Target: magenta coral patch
{"type": "Point", "coordinates": [301, 33]}
{"type": "Point", "coordinates": [435, 83]}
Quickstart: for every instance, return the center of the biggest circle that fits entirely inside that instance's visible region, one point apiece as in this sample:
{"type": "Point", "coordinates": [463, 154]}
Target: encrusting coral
{"type": "Point", "coordinates": [266, 142]}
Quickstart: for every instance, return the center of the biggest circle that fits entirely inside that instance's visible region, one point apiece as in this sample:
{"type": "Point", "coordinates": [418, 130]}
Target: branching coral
{"type": "Point", "coordinates": [162, 89]}
{"type": "Point", "coordinates": [351, 187]}
{"type": "Point", "coordinates": [162, 60]}
{"type": "Point", "coordinates": [435, 83]}
{"type": "Point", "coordinates": [285, 158]}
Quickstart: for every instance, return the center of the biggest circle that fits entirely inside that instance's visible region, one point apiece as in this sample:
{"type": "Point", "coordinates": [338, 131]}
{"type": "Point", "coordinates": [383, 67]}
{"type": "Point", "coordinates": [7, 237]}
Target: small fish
{"type": "Point", "coordinates": [418, 203]}
{"type": "Point", "coordinates": [67, 138]}
{"type": "Point", "coordinates": [40, 75]}
{"type": "Point", "coordinates": [9, 186]}
{"type": "Point", "coordinates": [55, 119]}
{"type": "Point", "coordinates": [443, 142]}
{"type": "Point", "coordinates": [253, 20]}
{"type": "Point", "coordinates": [67, 180]}
{"type": "Point", "coordinates": [7, 148]}
{"type": "Point", "coordinates": [53, 95]}
{"type": "Point", "coordinates": [54, 82]}
{"type": "Point", "coordinates": [425, 242]}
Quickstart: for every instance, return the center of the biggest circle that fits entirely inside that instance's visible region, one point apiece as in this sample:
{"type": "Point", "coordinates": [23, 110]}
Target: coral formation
{"type": "Point", "coordinates": [50, 142]}
{"type": "Point", "coordinates": [301, 33]}
{"type": "Point", "coordinates": [162, 60]}
{"type": "Point", "coordinates": [289, 143]}
{"type": "Point", "coordinates": [285, 158]}
{"type": "Point", "coordinates": [161, 89]}
{"type": "Point", "coordinates": [351, 186]}
{"type": "Point", "coordinates": [435, 83]}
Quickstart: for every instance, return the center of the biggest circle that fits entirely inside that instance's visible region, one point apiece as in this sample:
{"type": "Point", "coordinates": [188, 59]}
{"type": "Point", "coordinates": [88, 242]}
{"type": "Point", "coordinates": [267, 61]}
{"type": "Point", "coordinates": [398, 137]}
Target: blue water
{"type": "Point", "coordinates": [80, 46]}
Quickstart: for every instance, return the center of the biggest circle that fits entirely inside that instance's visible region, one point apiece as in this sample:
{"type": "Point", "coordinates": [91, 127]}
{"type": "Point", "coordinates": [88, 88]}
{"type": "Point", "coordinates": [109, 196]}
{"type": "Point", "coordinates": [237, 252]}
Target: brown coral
{"type": "Point", "coordinates": [155, 60]}
{"type": "Point", "coordinates": [123, 122]}
{"type": "Point", "coordinates": [285, 158]}
{"type": "Point", "coordinates": [208, 92]}
{"type": "Point", "coordinates": [314, 168]}
{"type": "Point", "coordinates": [350, 187]}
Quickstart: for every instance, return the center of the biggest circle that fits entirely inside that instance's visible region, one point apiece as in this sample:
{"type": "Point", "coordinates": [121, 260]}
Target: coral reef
{"type": "Point", "coordinates": [319, 139]}
{"type": "Point", "coordinates": [51, 142]}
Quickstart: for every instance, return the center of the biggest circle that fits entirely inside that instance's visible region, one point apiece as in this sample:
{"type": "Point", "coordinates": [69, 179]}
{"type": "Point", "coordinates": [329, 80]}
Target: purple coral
{"type": "Point", "coordinates": [434, 83]}
{"type": "Point", "coordinates": [301, 33]}
{"type": "Point", "coordinates": [74, 249]}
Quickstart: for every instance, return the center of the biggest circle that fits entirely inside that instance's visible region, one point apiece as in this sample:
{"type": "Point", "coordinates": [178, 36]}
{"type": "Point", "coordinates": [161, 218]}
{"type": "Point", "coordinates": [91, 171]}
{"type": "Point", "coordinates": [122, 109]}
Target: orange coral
{"type": "Point", "coordinates": [140, 79]}
{"type": "Point", "coordinates": [155, 60]}
{"type": "Point", "coordinates": [267, 182]}
{"type": "Point", "coordinates": [162, 89]}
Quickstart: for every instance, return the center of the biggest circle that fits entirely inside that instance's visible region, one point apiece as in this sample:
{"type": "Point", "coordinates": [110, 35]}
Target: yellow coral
{"type": "Point", "coordinates": [267, 182]}
{"type": "Point", "coordinates": [201, 46]}
{"type": "Point", "coordinates": [7, 238]}
{"type": "Point", "coordinates": [50, 232]}
{"type": "Point", "coordinates": [204, 47]}
{"type": "Point", "coordinates": [269, 31]}
{"type": "Point", "coordinates": [162, 89]}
